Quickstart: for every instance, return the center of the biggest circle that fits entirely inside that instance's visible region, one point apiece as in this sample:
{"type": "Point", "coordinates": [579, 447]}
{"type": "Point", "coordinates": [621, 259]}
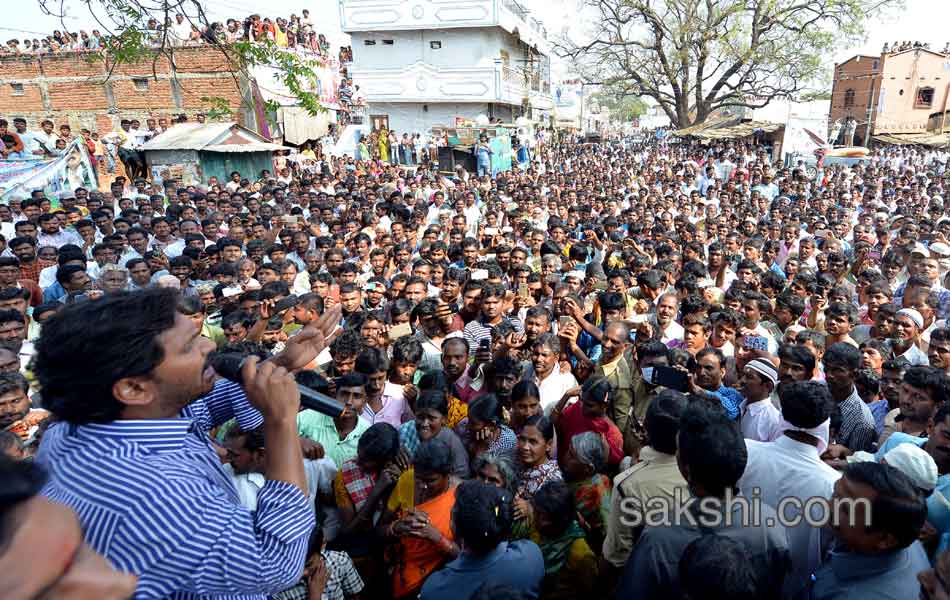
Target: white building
{"type": "Point", "coordinates": [428, 62]}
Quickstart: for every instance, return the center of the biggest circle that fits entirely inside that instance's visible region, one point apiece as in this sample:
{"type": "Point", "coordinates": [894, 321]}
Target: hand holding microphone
{"type": "Point", "coordinates": [255, 377]}
{"type": "Point", "coordinates": [271, 389]}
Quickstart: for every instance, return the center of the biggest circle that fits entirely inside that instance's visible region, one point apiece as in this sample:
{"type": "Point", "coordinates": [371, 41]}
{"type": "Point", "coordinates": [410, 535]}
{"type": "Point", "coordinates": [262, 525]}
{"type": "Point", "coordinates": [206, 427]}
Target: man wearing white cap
{"type": "Point", "coordinates": [909, 323]}
{"type": "Point", "coordinates": [759, 419]}
{"type": "Point", "coordinates": [791, 467]}
{"type": "Point", "coordinates": [938, 503]}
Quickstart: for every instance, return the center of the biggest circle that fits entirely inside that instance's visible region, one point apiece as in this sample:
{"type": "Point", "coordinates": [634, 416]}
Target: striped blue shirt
{"type": "Point", "coordinates": [152, 497]}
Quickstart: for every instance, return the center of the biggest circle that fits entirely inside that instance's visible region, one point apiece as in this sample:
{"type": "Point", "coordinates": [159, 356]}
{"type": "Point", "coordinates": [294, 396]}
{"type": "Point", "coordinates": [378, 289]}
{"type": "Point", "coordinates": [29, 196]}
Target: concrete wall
{"type": "Point", "coordinates": [405, 117]}
{"type": "Point", "coordinates": [903, 75]}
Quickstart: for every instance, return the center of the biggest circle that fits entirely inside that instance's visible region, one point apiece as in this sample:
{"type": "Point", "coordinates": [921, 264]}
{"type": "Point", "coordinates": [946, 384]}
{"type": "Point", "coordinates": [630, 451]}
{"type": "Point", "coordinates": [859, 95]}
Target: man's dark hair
{"type": "Point", "coordinates": [794, 303]}
{"type": "Point", "coordinates": [933, 380]}
{"type": "Point", "coordinates": [716, 567]}
{"type": "Point", "coordinates": [21, 481]}
{"type": "Point", "coordinates": [805, 404]}
{"type": "Point", "coordinates": [119, 339]}
{"type": "Point", "coordinates": [407, 349]}
{"type": "Point", "coordinates": [379, 443]}
{"type": "Point", "coordinates": [651, 349]}
{"type": "Point", "coordinates": [713, 351]}
{"type": "Point", "coordinates": [840, 309]}
{"type": "Point", "coordinates": [371, 360]}
{"type": "Point", "coordinates": [897, 508]}
{"type": "Point", "coordinates": [556, 500]}
{"type": "Point", "coordinates": [797, 354]}
{"type": "Point", "coordinates": [65, 273]}
{"type": "Point", "coordinates": [662, 420]}
{"type": "Point", "coordinates": [347, 345]}
{"type": "Point", "coordinates": [843, 354]}
{"type": "Point", "coordinates": [711, 446]}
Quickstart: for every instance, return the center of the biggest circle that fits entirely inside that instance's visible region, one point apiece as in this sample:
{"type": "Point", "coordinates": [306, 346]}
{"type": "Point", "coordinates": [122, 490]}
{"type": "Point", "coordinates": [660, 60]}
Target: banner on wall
{"type": "Point", "coordinates": [57, 177]}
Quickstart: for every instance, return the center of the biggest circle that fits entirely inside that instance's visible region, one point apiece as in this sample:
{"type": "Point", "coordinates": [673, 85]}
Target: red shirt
{"type": "Point", "coordinates": [573, 422]}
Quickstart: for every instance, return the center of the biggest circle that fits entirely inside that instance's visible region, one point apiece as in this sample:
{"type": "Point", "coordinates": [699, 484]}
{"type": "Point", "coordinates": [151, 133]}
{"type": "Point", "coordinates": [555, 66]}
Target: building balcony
{"type": "Point", "coordinates": [395, 15]}
{"type": "Point", "coordinates": [420, 82]}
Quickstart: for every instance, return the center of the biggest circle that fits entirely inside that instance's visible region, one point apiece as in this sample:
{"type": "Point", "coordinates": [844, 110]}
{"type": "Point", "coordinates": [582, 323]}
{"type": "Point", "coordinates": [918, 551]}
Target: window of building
{"type": "Point", "coordinates": [849, 97]}
{"type": "Point", "coordinates": [388, 42]}
{"type": "Point", "coordinates": [925, 97]}
{"type": "Point", "coordinates": [435, 45]}
{"type": "Point", "coordinates": [16, 89]}
{"type": "Point", "coordinates": [874, 65]}
{"type": "Point", "coordinates": [140, 83]}
{"type": "Point", "coordinates": [369, 42]}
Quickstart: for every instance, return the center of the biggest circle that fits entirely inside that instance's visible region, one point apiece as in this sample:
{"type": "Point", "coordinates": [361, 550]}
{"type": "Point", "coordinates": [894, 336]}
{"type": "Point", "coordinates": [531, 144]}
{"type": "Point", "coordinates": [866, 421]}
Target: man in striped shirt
{"type": "Point", "coordinates": [492, 314]}
{"type": "Point", "coordinates": [128, 379]}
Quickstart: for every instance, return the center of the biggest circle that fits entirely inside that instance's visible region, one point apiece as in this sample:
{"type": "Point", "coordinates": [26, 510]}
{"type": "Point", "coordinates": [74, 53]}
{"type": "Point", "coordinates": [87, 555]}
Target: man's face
{"type": "Point", "coordinates": [415, 292]}
{"type": "Point", "coordinates": [613, 344]}
{"type": "Point", "coordinates": [231, 253]}
{"type": "Point", "coordinates": [24, 252]}
{"type": "Point", "coordinates": [235, 333]}
{"type": "Point", "coordinates": [184, 373]}
{"type": "Point", "coordinates": [454, 359]}
{"type": "Point", "coordinates": [915, 403]}
{"type": "Point", "coordinates": [12, 330]}
{"type": "Point", "coordinates": [837, 325]}
{"type": "Point", "coordinates": [752, 314]}
{"type": "Point", "coordinates": [544, 360]}
{"type": "Point", "coordinates": [840, 378]}
{"type": "Point", "coordinates": [752, 385]}
{"type": "Point", "coordinates": [353, 400]}
{"type": "Point", "coordinates": [113, 281]}
{"type": "Point", "coordinates": [536, 325]}
{"type": "Point", "coordinates": [709, 372]}
{"type": "Point", "coordinates": [491, 307]}
{"type": "Point", "coordinates": [789, 372]}
{"type": "Point", "coordinates": [80, 281]}
{"type": "Point", "coordinates": [694, 337]}
{"type": "Point", "coordinates": [141, 274]}
{"type": "Point", "coordinates": [14, 405]}
{"type": "Point", "coordinates": [50, 226]}
{"type": "Point", "coordinates": [70, 568]}
{"type": "Point", "coordinates": [242, 460]}
{"type": "Point", "coordinates": [666, 310]}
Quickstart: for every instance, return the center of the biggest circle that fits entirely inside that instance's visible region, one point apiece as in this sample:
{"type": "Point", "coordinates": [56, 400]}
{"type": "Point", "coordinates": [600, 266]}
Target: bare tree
{"type": "Point", "coordinates": [696, 56]}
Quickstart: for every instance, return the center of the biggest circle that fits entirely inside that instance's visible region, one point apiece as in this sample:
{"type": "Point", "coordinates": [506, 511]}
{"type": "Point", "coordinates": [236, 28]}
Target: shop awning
{"type": "Point", "coordinates": [727, 128]}
{"type": "Point", "coordinates": [932, 140]}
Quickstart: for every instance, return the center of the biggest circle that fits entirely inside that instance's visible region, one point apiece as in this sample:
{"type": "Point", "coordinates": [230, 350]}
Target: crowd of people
{"type": "Point", "coordinates": [635, 370]}
{"type": "Point", "coordinates": [296, 32]}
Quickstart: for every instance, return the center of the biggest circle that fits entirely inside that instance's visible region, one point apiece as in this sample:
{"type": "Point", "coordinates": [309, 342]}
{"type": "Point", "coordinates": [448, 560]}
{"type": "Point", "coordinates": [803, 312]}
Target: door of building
{"type": "Point", "coordinates": [379, 122]}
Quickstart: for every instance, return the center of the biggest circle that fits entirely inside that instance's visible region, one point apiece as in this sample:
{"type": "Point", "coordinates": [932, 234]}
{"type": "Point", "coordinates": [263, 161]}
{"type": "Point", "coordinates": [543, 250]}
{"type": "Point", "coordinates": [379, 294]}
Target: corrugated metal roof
{"type": "Point", "coordinates": [725, 128]}
{"type": "Point", "coordinates": [934, 140]}
{"type": "Point", "coordinates": [208, 137]}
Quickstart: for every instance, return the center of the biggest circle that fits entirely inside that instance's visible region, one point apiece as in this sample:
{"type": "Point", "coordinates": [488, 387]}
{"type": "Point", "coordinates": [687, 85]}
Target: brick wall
{"type": "Point", "coordinates": [77, 88]}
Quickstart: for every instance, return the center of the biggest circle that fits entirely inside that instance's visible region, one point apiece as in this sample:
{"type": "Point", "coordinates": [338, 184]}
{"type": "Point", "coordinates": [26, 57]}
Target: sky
{"type": "Point", "coordinates": [923, 20]}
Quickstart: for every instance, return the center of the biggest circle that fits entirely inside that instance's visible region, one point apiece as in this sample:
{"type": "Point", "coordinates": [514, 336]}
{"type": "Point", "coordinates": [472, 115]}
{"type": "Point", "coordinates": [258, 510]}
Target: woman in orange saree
{"type": "Point", "coordinates": [416, 523]}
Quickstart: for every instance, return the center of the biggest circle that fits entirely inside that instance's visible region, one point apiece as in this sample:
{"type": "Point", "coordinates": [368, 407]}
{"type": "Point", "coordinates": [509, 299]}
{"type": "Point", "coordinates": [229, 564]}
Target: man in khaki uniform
{"type": "Point", "coordinates": [655, 476]}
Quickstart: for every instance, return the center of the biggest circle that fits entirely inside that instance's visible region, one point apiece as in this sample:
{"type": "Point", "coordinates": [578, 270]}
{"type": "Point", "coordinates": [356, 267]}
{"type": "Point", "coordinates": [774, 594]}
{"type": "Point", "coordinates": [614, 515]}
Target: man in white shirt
{"type": "Point", "coordinates": [246, 462]}
{"type": "Point", "coordinates": [666, 307]}
{"type": "Point", "coordinates": [759, 419]}
{"type": "Point", "coordinates": [545, 371]}
{"type": "Point", "coordinates": [791, 468]}
{"type": "Point", "coordinates": [180, 30]}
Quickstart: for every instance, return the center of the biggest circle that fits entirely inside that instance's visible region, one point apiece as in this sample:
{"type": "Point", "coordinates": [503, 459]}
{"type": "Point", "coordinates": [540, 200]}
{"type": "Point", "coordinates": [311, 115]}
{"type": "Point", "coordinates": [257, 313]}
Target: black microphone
{"type": "Point", "coordinates": [229, 365]}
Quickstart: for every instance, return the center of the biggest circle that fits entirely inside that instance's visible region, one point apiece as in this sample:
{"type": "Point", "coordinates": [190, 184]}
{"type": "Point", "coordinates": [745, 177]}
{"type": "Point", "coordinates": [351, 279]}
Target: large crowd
{"type": "Point", "coordinates": [296, 32]}
{"type": "Point", "coordinates": [631, 370]}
